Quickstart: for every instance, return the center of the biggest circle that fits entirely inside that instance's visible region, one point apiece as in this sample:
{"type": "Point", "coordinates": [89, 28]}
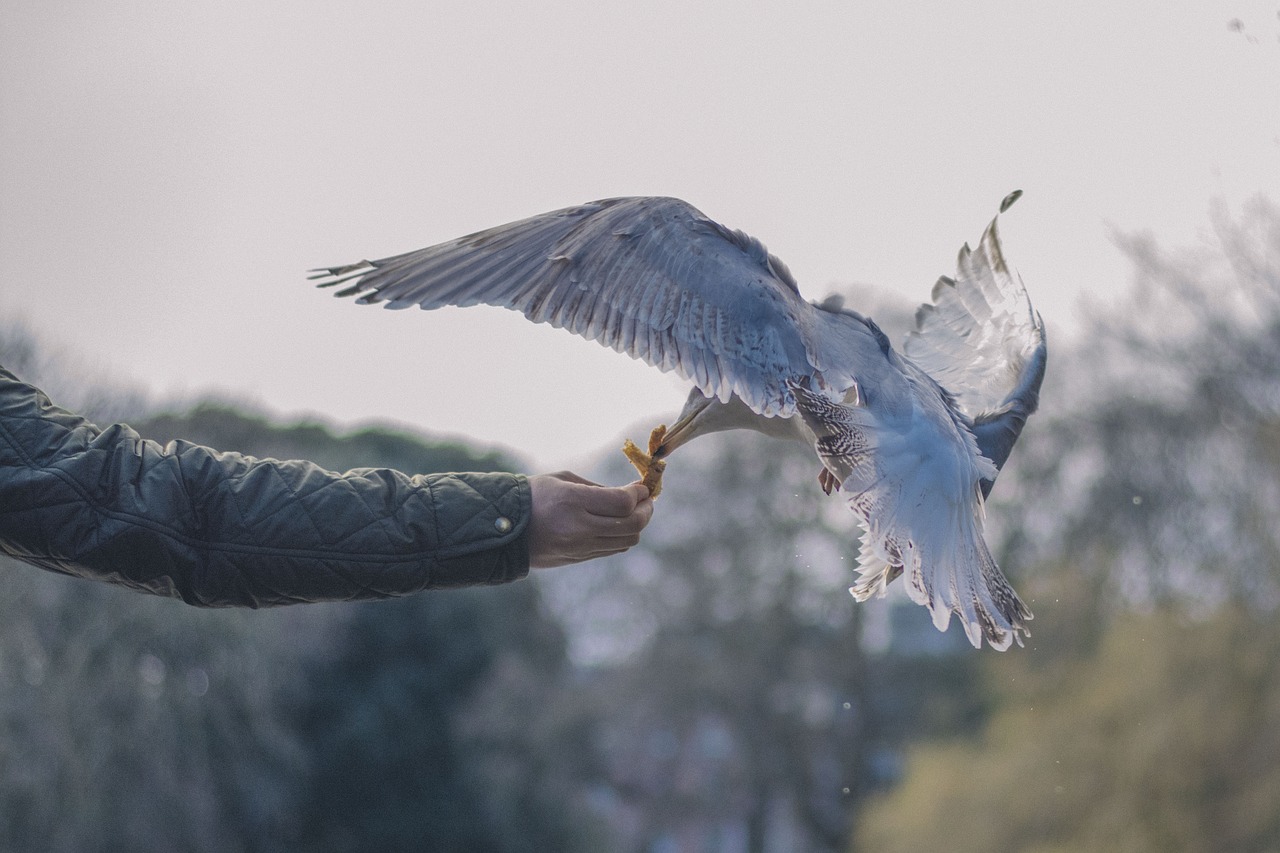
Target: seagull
{"type": "Point", "coordinates": [913, 439]}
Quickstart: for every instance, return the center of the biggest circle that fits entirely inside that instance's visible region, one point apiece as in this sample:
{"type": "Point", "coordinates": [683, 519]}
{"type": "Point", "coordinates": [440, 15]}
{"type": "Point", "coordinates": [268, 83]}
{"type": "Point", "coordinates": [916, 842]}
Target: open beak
{"type": "Point", "coordinates": [683, 429]}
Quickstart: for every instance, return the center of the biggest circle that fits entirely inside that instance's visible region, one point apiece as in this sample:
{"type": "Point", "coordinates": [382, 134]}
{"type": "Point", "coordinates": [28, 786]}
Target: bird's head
{"type": "Point", "coordinates": [698, 411]}
{"type": "Point", "coordinates": [702, 414]}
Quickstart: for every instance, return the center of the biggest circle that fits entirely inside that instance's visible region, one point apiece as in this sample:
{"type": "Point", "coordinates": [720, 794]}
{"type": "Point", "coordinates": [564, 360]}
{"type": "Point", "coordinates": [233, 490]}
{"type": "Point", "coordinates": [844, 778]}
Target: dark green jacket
{"type": "Point", "coordinates": [225, 530]}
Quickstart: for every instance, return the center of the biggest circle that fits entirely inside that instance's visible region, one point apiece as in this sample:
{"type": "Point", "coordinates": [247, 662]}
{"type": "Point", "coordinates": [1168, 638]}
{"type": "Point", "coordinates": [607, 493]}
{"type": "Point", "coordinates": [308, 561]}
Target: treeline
{"type": "Point", "coordinates": [135, 723]}
{"type": "Point", "coordinates": [715, 688]}
{"type": "Point", "coordinates": [1145, 522]}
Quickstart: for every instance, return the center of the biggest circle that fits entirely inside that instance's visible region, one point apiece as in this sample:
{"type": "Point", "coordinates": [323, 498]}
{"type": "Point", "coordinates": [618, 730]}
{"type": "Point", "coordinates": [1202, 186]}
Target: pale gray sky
{"type": "Point", "coordinates": [168, 171]}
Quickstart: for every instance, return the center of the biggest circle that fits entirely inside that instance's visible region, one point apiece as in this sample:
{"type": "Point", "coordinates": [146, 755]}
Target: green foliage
{"type": "Point", "coordinates": [418, 721]}
{"type": "Point", "coordinates": [226, 426]}
{"type": "Point", "coordinates": [1167, 738]}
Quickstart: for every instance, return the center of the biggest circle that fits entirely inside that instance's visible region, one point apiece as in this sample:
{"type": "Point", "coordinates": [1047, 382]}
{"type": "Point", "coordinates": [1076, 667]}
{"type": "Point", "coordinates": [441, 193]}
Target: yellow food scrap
{"type": "Point", "coordinates": [650, 469]}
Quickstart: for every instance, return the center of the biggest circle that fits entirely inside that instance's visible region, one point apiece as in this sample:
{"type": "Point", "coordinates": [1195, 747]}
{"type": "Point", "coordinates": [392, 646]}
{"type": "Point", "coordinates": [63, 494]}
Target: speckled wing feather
{"type": "Point", "coordinates": [650, 277]}
{"type": "Point", "coordinates": [982, 341]}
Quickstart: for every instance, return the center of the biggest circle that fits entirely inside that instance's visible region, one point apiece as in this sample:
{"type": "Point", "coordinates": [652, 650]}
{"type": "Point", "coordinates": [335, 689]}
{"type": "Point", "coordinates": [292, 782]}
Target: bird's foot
{"type": "Point", "coordinates": [829, 482]}
{"type": "Point", "coordinates": [649, 467]}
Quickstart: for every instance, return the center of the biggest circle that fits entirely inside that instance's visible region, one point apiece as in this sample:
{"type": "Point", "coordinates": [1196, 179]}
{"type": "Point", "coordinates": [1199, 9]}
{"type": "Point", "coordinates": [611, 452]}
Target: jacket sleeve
{"type": "Point", "coordinates": [225, 530]}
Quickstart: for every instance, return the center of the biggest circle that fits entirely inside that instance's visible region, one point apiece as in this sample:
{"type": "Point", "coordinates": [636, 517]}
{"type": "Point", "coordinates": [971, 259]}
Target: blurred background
{"type": "Point", "coordinates": [167, 174]}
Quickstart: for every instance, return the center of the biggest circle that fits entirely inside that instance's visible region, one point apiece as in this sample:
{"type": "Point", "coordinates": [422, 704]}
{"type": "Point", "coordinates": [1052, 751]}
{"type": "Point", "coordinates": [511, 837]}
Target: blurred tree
{"type": "Point", "coordinates": [1144, 715]}
{"type": "Point", "coordinates": [406, 713]}
{"type": "Point", "coordinates": [136, 723]}
{"type": "Point", "coordinates": [1167, 739]}
{"type": "Point", "coordinates": [431, 729]}
{"type": "Point", "coordinates": [740, 712]}
{"type": "Point", "coordinates": [129, 722]}
{"type": "Point", "coordinates": [1157, 466]}
{"type": "Point", "coordinates": [232, 427]}
{"type": "Point", "coordinates": [73, 380]}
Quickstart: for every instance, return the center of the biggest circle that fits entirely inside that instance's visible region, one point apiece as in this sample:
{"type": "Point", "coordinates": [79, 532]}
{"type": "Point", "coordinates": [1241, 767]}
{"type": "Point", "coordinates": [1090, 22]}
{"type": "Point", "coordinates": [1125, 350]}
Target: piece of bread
{"type": "Point", "coordinates": [650, 469]}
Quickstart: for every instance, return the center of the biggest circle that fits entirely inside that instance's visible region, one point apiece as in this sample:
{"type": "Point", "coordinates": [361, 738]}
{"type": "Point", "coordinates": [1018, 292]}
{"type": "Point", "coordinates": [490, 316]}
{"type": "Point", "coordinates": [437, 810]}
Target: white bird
{"type": "Point", "coordinates": [914, 439]}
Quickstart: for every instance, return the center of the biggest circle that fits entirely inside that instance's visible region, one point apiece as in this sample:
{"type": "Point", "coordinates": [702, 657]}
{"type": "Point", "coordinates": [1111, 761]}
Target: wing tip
{"type": "Point", "coordinates": [325, 277]}
{"type": "Point", "coordinates": [1008, 201]}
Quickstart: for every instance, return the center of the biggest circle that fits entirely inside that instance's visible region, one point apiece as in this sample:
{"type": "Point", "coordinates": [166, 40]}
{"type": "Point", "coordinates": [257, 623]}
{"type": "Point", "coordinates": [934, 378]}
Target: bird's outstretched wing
{"type": "Point", "coordinates": [650, 277]}
{"type": "Point", "coordinates": [982, 341]}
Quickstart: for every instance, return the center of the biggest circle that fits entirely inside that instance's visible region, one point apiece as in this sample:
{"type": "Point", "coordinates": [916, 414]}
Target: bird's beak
{"type": "Point", "coordinates": [683, 429]}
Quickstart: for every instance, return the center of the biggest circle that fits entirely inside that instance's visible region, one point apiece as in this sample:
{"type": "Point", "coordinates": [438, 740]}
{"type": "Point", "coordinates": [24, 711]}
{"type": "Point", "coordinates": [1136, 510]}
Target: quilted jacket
{"type": "Point", "coordinates": [226, 530]}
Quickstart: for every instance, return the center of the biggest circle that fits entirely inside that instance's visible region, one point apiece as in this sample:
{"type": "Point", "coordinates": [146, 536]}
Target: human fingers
{"type": "Point", "coordinates": [572, 522]}
{"type": "Point", "coordinates": [616, 501]}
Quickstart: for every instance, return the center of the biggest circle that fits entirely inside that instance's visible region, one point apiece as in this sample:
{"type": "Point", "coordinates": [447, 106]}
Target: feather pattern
{"type": "Point", "coordinates": [651, 277]}
{"type": "Point", "coordinates": [980, 334]}
{"type": "Point", "coordinates": [914, 440]}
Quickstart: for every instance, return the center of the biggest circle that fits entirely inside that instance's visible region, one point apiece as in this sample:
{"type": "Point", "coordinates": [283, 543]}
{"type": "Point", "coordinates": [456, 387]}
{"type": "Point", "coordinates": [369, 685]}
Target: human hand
{"type": "Point", "coordinates": [573, 519]}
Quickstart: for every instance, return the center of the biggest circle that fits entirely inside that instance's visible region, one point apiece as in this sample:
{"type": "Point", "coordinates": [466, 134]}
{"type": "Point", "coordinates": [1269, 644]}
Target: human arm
{"type": "Point", "coordinates": [221, 529]}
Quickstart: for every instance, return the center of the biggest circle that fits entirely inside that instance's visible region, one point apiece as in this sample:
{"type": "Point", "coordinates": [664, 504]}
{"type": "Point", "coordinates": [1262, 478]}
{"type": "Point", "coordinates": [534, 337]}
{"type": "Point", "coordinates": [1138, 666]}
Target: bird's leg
{"type": "Point", "coordinates": [829, 482]}
{"type": "Point", "coordinates": [649, 467]}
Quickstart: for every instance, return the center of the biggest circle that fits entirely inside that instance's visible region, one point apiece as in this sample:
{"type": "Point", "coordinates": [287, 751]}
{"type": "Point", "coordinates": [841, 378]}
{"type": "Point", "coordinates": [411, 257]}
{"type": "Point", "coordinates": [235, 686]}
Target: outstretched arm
{"type": "Point", "coordinates": [221, 529]}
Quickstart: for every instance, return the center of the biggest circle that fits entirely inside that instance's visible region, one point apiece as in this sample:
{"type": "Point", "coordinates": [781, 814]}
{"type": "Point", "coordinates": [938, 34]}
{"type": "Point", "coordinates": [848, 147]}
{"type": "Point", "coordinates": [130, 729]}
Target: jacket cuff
{"type": "Point", "coordinates": [482, 524]}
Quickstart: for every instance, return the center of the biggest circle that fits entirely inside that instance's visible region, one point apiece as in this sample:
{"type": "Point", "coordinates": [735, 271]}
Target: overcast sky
{"type": "Point", "coordinates": [169, 171]}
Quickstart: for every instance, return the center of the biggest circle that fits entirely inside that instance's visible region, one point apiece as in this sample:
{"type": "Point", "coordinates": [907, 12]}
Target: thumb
{"type": "Point", "coordinates": [570, 477]}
